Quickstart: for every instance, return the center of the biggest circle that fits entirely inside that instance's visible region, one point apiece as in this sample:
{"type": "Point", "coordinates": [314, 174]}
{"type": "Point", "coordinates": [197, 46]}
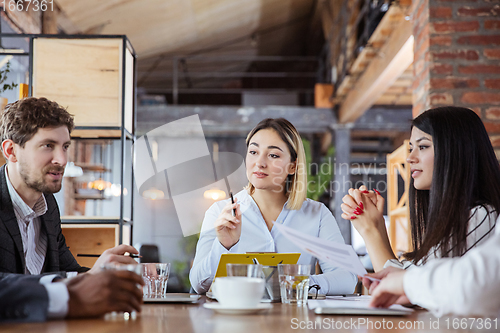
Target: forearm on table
{"type": "Point", "coordinates": [204, 267]}
{"type": "Point", "coordinates": [335, 282]}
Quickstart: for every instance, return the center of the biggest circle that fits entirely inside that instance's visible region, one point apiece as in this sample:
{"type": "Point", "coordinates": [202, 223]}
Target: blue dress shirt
{"type": "Point", "coordinates": [313, 218]}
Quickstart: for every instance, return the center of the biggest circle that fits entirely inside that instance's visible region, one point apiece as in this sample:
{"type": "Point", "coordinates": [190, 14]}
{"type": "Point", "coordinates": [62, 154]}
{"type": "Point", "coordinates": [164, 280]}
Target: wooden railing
{"type": "Point", "coordinates": [398, 209]}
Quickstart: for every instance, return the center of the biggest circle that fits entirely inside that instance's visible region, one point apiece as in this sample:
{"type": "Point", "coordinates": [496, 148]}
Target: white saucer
{"type": "Point", "coordinates": [237, 311]}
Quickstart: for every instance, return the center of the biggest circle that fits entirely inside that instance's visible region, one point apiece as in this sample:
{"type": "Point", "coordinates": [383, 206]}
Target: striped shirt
{"type": "Point", "coordinates": [33, 235]}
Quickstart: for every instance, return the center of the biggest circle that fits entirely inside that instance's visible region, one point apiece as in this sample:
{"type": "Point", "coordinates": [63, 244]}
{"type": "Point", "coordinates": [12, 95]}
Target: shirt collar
{"type": "Point", "coordinates": [25, 212]}
{"type": "Point", "coordinates": [249, 201]}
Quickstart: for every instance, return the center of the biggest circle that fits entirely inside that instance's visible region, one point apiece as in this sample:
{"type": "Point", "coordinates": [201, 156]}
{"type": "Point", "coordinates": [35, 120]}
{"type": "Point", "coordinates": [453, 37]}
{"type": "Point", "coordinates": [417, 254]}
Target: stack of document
{"type": "Point", "coordinates": [342, 255]}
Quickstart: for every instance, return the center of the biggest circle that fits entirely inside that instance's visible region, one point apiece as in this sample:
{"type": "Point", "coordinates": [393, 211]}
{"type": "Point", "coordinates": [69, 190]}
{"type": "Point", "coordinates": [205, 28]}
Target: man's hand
{"type": "Point", "coordinates": [92, 295]}
{"type": "Point", "coordinates": [115, 254]}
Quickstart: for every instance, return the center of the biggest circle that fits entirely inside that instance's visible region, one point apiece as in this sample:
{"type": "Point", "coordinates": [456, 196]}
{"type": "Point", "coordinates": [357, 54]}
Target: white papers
{"type": "Point", "coordinates": [342, 255]}
{"type": "Point", "coordinates": [359, 302]}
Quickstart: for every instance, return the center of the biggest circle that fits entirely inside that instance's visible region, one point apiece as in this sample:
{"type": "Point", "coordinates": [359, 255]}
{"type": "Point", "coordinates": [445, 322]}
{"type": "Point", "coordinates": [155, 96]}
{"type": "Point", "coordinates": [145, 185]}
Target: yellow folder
{"type": "Point", "coordinates": [265, 259]}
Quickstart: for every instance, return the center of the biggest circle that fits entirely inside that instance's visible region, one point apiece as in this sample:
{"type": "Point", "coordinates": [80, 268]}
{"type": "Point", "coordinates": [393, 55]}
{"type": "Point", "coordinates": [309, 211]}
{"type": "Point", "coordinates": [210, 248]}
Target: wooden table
{"type": "Point", "coordinates": [281, 318]}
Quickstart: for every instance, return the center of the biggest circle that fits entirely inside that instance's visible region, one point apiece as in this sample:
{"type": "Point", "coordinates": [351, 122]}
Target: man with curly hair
{"type": "Point", "coordinates": [35, 136]}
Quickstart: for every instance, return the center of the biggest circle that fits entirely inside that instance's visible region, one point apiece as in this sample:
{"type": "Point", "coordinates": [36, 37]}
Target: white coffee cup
{"type": "Point", "coordinates": [238, 291]}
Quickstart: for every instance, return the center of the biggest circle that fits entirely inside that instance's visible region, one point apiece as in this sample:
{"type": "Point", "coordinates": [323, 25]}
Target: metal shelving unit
{"type": "Point", "coordinates": [124, 133]}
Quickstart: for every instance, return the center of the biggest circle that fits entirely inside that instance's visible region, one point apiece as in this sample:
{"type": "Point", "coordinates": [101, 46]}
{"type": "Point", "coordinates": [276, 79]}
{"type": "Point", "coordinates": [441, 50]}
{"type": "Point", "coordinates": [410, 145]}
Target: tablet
{"type": "Point", "coordinates": [174, 298]}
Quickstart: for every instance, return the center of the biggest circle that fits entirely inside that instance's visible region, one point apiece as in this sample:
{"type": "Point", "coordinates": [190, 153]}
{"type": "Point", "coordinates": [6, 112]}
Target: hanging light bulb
{"type": "Point", "coordinates": [153, 194]}
{"type": "Point", "coordinates": [214, 194]}
{"type": "Point", "coordinates": [115, 190]}
{"type": "Point", "coordinates": [99, 184]}
{"type": "Point", "coordinates": [73, 170]}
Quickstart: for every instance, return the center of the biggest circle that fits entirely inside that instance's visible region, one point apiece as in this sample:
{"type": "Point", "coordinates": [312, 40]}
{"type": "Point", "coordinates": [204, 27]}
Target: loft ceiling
{"type": "Point", "coordinates": [218, 45]}
{"type": "Point", "coordinates": [158, 27]}
{"type": "Point", "coordinates": [202, 30]}
{"type": "Point", "coordinates": [222, 47]}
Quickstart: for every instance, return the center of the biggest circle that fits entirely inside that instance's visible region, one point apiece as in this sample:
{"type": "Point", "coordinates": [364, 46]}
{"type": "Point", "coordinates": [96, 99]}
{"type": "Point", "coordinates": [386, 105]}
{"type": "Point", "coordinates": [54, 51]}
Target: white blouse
{"type": "Point", "coordinates": [481, 225]}
{"type": "Point", "coordinates": [313, 219]}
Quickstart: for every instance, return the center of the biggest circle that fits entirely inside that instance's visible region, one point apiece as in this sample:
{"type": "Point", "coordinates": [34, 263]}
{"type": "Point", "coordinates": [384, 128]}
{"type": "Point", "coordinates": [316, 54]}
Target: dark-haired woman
{"type": "Point", "coordinates": [454, 194]}
{"type": "Point", "coordinates": [276, 171]}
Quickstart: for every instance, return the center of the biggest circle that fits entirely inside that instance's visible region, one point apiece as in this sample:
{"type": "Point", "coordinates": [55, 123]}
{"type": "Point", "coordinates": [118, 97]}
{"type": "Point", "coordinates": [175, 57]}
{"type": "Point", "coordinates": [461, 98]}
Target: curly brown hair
{"type": "Point", "coordinates": [21, 120]}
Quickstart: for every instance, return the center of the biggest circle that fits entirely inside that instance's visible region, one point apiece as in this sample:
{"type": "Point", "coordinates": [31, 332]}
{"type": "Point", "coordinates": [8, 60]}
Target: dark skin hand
{"type": "Point", "coordinates": [93, 295]}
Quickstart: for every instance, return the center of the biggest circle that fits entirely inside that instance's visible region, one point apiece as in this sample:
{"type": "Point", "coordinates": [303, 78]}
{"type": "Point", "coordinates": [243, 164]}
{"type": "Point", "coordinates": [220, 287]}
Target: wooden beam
{"type": "Point", "coordinates": [65, 24]}
{"type": "Point", "coordinates": [58, 21]}
{"type": "Point", "coordinates": [28, 22]}
{"type": "Point", "coordinates": [49, 21]}
{"type": "Point", "coordinates": [315, 33]}
{"type": "Point", "coordinates": [393, 59]}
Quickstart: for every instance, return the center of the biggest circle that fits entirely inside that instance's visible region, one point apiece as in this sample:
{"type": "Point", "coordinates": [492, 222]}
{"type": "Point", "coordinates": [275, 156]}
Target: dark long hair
{"type": "Point", "coordinates": [466, 174]}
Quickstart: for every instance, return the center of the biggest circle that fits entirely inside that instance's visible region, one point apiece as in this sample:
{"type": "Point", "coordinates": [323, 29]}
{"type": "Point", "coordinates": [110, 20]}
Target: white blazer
{"type": "Point", "coordinates": [469, 285]}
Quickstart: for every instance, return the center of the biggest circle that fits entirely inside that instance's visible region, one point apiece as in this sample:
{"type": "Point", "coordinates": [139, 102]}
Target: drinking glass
{"type": "Point", "coordinates": [294, 283]}
{"type": "Point", "coordinates": [244, 270]}
{"type": "Point", "coordinates": [136, 268]}
{"type": "Point", "coordinates": [155, 277]}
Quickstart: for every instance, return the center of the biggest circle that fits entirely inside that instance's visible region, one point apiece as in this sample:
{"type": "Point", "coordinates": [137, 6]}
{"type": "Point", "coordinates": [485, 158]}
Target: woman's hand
{"type": "Point", "coordinates": [389, 291]}
{"type": "Point", "coordinates": [373, 195]}
{"type": "Point", "coordinates": [227, 226]}
{"type": "Point", "coordinates": [364, 209]}
{"type": "Point", "coordinates": [367, 217]}
{"type": "Point", "coordinates": [372, 284]}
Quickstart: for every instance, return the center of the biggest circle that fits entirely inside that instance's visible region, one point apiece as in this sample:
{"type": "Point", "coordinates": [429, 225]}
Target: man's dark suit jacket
{"type": "Point", "coordinates": [58, 257]}
{"type": "Point", "coordinates": [22, 299]}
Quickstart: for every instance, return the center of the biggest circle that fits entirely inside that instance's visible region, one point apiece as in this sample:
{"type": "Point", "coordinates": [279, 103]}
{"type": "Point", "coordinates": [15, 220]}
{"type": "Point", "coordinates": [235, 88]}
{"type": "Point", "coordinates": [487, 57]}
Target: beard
{"type": "Point", "coordinates": [40, 183]}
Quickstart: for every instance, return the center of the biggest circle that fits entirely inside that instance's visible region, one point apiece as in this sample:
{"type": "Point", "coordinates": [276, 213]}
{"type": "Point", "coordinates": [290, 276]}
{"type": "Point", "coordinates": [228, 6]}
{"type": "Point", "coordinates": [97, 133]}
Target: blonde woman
{"type": "Point", "coordinates": [275, 167]}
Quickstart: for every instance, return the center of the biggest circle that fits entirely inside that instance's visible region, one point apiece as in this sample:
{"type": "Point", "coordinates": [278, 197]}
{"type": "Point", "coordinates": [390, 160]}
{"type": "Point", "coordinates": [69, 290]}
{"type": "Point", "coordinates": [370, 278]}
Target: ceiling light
{"type": "Point", "coordinates": [153, 194]}
{"type": "Point", "coordinates": [214, 194]}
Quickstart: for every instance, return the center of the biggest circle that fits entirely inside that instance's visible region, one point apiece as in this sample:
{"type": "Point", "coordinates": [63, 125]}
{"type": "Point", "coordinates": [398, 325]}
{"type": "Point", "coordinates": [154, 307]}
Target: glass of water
{"type": "Point", "coordinates": [136, 268]}
{"type": "Point", "coordinates": [294, 283]}
{"type": "Point", "coordinates": [155, 277]}
{"type": "Point", "coordinates": [244, 270]}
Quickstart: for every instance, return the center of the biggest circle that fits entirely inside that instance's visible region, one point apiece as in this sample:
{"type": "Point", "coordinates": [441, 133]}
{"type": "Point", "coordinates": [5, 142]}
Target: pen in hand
{"type": "Point", "coordinates": [232, 201]}
{"type": "Point", "coordinates": [98, 255]}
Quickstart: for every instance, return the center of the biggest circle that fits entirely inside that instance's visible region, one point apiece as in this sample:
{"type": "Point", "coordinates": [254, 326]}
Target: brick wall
{"type": "Point", "coordinates": [457, 57]}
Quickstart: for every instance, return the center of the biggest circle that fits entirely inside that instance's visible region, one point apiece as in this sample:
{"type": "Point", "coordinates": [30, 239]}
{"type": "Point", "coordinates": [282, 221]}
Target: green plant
{"type": "Point", "coordinates": [320, 174]}
{"type": "Point", "coordinates": [181, 268]}
{"type": "Point", "coordinates": [3, 76]}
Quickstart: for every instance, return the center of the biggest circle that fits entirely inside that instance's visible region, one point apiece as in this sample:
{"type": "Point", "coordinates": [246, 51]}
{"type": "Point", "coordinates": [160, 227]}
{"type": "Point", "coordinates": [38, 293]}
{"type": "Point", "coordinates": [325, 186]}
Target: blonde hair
{"type": "Point", "coordinates": [296, 189]}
